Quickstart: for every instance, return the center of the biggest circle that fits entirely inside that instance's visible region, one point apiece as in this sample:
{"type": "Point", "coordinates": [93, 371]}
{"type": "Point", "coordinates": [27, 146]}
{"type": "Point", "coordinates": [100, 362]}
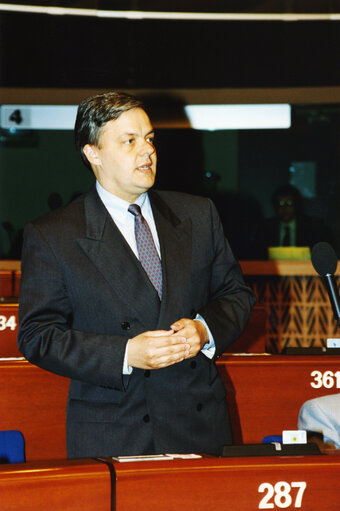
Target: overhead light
{"type": "Point", "coordinates": [202, 117]}
{"type": "Point", "coordinates": [181, 15]}
{"type": "Point", "coordinates": [239, 117]}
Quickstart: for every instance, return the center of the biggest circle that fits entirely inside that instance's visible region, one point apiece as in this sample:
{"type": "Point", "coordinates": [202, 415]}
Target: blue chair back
{"type": "Point", "coordinates": [12, 447]}
{"type": "Point", "coordinates": [272, 438]}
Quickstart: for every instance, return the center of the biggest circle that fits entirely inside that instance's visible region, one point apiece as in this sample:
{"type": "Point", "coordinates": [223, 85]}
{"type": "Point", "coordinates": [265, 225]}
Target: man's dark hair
{"type": "Point", "coordinates": [94, 112]}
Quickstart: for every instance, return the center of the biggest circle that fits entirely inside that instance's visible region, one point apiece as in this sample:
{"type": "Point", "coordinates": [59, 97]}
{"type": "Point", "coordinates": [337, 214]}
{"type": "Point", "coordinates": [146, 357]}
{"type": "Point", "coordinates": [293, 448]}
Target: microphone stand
{"type": "Point", "coordinates": [333, 293]}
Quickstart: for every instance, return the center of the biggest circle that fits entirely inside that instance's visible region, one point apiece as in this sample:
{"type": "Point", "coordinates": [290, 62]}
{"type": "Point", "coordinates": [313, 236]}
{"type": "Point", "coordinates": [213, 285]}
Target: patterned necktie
{"type": "Point", "coordinates": [147, 251]}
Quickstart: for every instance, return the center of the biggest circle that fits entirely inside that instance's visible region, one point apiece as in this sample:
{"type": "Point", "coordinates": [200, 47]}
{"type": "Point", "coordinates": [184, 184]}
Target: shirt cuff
{"type": "Point", "coordinates": [209, 348]}
{"type": "Point", "coordinates": [126, 368]}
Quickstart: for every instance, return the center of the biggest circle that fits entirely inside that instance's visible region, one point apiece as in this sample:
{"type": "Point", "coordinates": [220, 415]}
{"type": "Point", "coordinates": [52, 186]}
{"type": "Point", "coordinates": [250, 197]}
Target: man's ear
{"type": "Point", "coordinates": [91, 154]}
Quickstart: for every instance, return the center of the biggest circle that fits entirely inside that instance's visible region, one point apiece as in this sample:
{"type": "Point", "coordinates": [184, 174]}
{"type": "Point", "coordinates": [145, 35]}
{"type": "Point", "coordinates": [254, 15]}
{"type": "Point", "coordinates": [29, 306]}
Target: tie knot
{"type": "Point", "coordinates": [135, 209]}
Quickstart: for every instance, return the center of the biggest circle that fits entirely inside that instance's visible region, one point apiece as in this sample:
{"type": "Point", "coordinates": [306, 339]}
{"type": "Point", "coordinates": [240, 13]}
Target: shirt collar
{"type": "Point", "coordinates": [116, 206]}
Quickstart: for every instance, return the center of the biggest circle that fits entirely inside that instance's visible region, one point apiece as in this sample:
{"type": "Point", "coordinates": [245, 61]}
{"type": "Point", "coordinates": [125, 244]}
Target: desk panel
{"type": "Point", "coordinates": [58, 486]}
{"type": "Point", "coordinates": [6, 283]}
{"type": "Point", "coordinates": [264, 396]}
{"type": "Point", "coordinates": [16, 285]}
{"type": "Point", "coordinates": [213, 484]}
{"type": "Point", "coordinates": [309, 483]}
{"type": "Point", "coordinates": [34, 402]}
{"type": "Point", "coordinates": [265, 393]}
{"type": "Point", "coordinates": [9, 330]}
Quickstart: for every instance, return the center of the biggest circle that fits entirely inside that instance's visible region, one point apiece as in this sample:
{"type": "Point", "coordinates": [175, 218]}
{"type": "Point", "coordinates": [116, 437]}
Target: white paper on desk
{"type": "Point", "coordinates": [247, 354]}
{"type": "Point", "coordinates": [185, 456]}
{"type": "Point", "coordinates": [146, 457]}
{"type": "Point", "coordinates": [156, 457]}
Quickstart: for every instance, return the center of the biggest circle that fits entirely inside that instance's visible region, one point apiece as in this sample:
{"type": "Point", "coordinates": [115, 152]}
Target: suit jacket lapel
{"type": "Point", "coordinates": [108, 250]}
{"type": "Point", "coordinates": [175, 242]}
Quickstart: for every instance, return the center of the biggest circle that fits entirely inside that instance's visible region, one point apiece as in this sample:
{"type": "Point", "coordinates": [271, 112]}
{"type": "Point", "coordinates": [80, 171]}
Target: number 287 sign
{"type": "Point", "coordinates": [282, 495]}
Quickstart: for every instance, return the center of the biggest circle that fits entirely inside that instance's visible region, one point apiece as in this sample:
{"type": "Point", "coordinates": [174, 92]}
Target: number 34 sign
{"type": "Point", "coordinates": [7, 322]}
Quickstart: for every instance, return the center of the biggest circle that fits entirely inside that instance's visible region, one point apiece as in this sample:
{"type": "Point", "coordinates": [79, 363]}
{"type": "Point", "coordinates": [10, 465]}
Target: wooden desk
{"type": "Point", "coordinates": [206, 484]}
{"type": "Point", "coordinates": [10, 273]}
{"type": "Point", "coordinates": [17, 277]}
{"type": "Point", "coordinates": [265, 393]}
{"type": "Point", "coordinates": [238, 484]}
{"type": "Point", "coordinates": [57, 485]}
{"type": "Point", "coordinates": [10, 264]}
{"type": "Point", "coordinates": [9, 330]}
{"type": "Point", "coordinates": [283, 268]}
{"type": "Point", "coordinates": [6, 283]}
{"type": "Point", "coordinates": [34, 402]}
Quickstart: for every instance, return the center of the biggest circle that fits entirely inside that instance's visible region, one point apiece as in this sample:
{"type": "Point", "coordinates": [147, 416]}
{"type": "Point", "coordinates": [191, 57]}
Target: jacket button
{"type": "Point", "coordinates": [147, 373]}
{"type": "Point", "coordinates": [125, 325]}
{"type": "Point", "coordinates": [193, 364]}
{"type": "Point", "coordinates": [146, 418]}
{"type": "Point", "coordinates": [199, 407]}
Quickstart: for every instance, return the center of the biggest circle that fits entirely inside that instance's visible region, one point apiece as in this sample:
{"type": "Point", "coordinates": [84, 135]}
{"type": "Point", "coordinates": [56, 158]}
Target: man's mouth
{"type": "Point", "coordinates": [146, 166]}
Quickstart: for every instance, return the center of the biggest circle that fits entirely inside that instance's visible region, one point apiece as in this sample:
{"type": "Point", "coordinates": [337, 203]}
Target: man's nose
{"type": "Point", "coordinates": [147, 148]}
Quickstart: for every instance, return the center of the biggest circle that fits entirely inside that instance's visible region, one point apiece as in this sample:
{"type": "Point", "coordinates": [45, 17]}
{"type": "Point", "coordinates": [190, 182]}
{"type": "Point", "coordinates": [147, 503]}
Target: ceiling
{"type": "Point", "coordinates": [69, 53]}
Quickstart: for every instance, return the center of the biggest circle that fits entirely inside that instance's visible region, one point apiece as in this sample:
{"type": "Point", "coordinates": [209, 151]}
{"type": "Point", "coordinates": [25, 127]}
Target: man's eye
{"type": "Point", "coordinates": [129, 141]}
{"type": "Point", "coordinates": [151, 140]}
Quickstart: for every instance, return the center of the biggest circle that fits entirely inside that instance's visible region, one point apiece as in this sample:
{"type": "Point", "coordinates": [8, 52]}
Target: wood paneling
{"type": "Point", "coordinates": [56, 485]}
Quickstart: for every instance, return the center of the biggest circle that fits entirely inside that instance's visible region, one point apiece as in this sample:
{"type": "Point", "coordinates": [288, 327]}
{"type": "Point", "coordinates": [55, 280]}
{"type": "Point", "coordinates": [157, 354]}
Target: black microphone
{"type": "Point", "coordinates": [325, 261]}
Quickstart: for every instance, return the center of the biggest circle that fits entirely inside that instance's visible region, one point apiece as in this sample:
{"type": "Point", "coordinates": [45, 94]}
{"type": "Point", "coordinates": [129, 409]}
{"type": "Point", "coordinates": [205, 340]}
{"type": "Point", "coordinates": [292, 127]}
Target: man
{"type": "Point", "coordinates": [140, 359]}
{"type": "Point", "coordinates": [290, 227]}
{"type": "Point", "coordinates": [322, 415]}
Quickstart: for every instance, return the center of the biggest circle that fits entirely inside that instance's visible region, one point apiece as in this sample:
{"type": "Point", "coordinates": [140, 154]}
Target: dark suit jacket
{"type": "Point", "coordinates": [84, 294]}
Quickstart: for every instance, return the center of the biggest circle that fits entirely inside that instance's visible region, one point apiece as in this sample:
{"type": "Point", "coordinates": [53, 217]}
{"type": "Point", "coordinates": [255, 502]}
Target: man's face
{"type": "Point", "coordinates": [124, 162]}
